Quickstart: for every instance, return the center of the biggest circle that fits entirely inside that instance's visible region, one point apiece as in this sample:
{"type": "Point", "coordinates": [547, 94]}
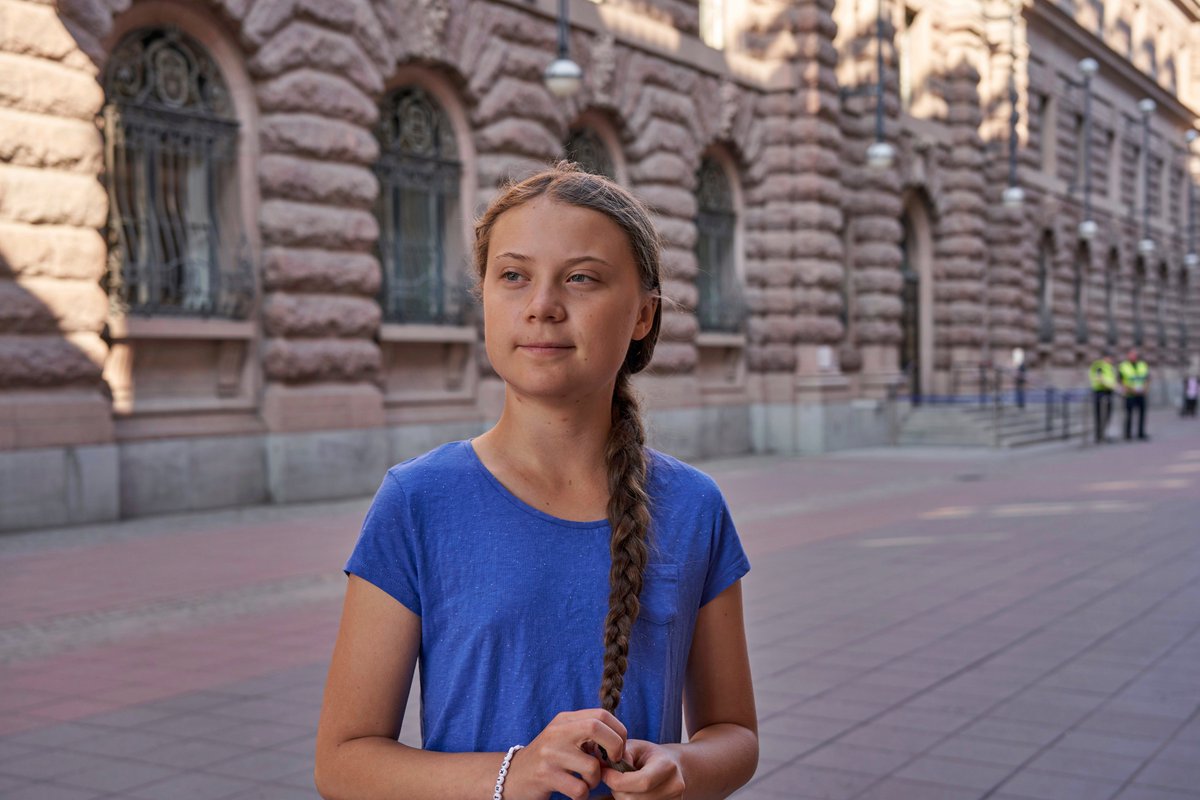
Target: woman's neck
{"type": "Point", "coordinates": [551, 445]}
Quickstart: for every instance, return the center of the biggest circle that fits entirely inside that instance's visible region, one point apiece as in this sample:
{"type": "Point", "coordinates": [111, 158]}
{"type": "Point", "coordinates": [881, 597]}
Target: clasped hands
{"type": "Point", "coordinates": [565, 757]}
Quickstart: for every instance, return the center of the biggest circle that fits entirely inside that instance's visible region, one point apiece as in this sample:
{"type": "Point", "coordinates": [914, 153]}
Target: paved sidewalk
{"type": "Point", "coordinates": [924, 624]}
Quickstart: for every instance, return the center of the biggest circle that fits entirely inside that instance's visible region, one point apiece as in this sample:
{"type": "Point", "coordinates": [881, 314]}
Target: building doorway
{"type": "Point", "coordinates": [916, 297]}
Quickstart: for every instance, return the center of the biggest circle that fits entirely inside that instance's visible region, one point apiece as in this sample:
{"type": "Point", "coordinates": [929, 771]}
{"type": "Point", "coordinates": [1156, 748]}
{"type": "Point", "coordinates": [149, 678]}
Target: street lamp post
{"type": "Point", "coordinates": [563, 77]}
{"type": "Point", "coordinates": [1014, 195]}
{"type": "Point", "coordinates": [1087, 228]}
{"type": "Point", "coordinates": [880, 154]}
{"type": "Point", "coordinates": [1147, 107]}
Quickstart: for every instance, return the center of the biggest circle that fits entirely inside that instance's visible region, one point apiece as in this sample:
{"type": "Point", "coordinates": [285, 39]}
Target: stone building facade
{"type": "Point", "coordinates": [233, 233]}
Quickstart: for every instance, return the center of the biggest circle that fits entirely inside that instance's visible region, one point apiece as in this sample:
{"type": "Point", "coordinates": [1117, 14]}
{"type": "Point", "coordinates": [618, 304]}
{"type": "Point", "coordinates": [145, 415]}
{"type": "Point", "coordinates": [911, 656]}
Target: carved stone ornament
{"type": "Point", "coordinates": [604, 64]}
{"type": "Point", "coordinates": [729, 108]}
{"type": "Point", "coordinates": [432, 28]}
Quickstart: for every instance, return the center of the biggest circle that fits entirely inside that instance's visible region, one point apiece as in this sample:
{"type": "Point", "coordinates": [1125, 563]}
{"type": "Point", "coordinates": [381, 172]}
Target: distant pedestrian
{"type": "Point", "coordinates": [1103, 376]}
{"type": "Point", "coordinates": [1019, 376]}
{"type": "Point", "coordinates": [553, 564]}
{"type": "Point", "coordinates": [1135, 379]}
{"type": "Point", "coordinates": [1191, 390]}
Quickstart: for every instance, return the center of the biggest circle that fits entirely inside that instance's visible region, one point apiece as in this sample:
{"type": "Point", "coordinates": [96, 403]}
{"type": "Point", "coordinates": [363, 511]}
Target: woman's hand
{"type": "Point", "coordinates": [556, 761]}
{"type": "Point", "coordinates": [657, 774]}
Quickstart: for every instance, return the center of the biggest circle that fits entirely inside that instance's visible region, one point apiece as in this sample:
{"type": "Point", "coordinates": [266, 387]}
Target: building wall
{"type": "Point", "coordinates": [314, 393]}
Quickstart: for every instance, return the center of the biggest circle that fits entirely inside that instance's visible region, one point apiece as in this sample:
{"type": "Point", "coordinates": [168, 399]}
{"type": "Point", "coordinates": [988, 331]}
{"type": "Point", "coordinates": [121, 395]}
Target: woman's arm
{"type": "Point", "coordinates": [370, 676]}
{"type": "Point", "coordinates": [722, 749]}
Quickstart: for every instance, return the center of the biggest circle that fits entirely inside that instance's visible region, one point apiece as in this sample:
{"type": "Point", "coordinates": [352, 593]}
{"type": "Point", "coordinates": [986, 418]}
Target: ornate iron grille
{"type": "Point", "coordinates": [721, 305]}
{"type": "Point", "coordinates": [418, 171]}
{"type": "Point", "coordinates": [174, 231]}
{"type": "Point", "coordinates": [586, 149]}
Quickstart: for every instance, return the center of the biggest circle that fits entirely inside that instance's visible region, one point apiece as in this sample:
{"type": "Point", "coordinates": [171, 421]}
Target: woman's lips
{"type": "Point", "coordinates": [545, 348]}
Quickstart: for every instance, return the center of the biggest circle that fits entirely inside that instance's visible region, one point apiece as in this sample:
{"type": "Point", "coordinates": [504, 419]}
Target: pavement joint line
{"type": "Point", "coordinates": [979, 661]}
{"type": "Point", "coordinates": [1150, 758]}
{"type": "Point", "coordinates": [1074, 726]}
{"type": "Point", "coordinates": [71, 631]}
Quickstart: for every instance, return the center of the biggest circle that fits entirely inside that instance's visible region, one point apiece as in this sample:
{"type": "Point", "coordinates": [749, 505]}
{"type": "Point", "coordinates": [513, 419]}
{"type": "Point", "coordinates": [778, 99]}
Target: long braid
{"type": "Point", "coordinates": [629, 516]}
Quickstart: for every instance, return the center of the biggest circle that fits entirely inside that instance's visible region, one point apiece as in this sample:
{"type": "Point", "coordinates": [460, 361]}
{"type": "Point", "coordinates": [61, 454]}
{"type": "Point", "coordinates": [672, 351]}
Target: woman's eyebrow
{"type": "Point", "coordinates": [570, 262]}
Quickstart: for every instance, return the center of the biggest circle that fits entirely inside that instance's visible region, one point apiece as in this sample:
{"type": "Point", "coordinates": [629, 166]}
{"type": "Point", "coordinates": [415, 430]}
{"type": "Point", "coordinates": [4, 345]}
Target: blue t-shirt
{"type": "Point", "coordinates": [512, 600]}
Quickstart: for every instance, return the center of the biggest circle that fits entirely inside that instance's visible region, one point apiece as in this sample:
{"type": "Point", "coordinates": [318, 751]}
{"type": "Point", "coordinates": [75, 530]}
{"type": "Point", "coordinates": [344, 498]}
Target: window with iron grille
{"type": "Point", "coordinates": [418, 171]}
{"type": "Point", "coordinates": [720, 306]}
{"type": "Point", "coordinates": [175, 243]}
{"type": "Point", "coordinates": [585, 147]}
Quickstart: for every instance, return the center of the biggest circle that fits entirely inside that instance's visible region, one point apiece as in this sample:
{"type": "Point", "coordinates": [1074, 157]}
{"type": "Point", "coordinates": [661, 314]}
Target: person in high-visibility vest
{"type": "Point", "coordinates": [1104, 381]}
{"type": "Point", "coordinates": [1135, 378]}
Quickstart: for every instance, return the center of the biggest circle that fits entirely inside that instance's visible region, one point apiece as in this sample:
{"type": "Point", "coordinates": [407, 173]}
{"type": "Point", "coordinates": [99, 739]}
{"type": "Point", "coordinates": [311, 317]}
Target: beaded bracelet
{"type": "Point", "coordinates": [499, 793]}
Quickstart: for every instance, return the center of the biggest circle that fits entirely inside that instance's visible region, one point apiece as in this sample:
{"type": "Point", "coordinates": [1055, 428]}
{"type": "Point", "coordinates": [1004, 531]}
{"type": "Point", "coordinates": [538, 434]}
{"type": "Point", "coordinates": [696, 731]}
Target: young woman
{"type": "Point", "coordinates": [565, 588]}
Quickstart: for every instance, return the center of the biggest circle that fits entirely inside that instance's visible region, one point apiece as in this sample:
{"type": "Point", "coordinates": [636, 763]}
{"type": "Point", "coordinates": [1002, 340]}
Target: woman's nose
{"type": "Point", "coordinates": [545, 302]}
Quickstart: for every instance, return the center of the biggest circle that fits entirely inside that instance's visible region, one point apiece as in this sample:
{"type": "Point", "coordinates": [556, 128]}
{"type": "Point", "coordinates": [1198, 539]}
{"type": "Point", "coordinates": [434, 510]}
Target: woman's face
{"type": "Point", "coordinates": [562, 300]}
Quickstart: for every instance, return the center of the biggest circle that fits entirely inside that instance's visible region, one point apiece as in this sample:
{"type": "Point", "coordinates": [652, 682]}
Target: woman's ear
{"type": "Point", "coordinates": [645, 318]}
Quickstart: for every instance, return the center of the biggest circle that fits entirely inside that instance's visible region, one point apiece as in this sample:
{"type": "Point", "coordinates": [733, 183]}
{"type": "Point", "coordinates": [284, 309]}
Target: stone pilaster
{"type": "Point", "coordinates": [960, 250]}
{"type": "Point", "coordinates": [872, 289]}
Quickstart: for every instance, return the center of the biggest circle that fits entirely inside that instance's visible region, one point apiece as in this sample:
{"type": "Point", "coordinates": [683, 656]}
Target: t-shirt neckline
{"type": "Point", "coordinates": [503, 491]}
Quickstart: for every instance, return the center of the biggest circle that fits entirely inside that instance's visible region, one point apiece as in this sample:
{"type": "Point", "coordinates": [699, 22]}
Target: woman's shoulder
{"type": "Point", "coordinates": [442, 467]}
{"type": "Point", "coordinates": [672, 477]}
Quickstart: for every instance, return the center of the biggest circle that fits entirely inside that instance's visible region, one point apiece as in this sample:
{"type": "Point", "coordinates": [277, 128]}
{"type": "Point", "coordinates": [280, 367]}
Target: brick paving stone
{"type": "Point", "coordinates": [194, 786]}
{"type": "Point", "coordinates": [1075, 762]}
{"type": "Point", "coordinates": [953, 772]}
{"type": "Point", "coordinates": [1142, 725]}
{"type": "Point", "coordinates": [988, 751]}
{"type": "Point", "coordinates": [116, 775]}
{"type": "Point", "coordinates": [1136, 792]}
{"type": "Point", "coordinates": [1111, 743]}
{"type": "Point", "coordinates": [906, 789]}
{"type": "Point", "coordinates": [904, 740]}
{"type": "Point", "coordinates": [193, 753]}
{"type": "Point", "coordinates": [1056, 786]}
{"type": "Point", "coordinates": [1172, 774]}
{"type": "Point", "coordinates": [854, 758]}
{"type": "Point", "coordinates": [263, 765]}
{"type": "Point", "coordinates": [120, 744]}
{"type": "Point", "coordinates": [50, 791]}
{"type": "Point", "coordinates": [815, 783]}
{"type": "Point", "coordinates": [1007, 730]}
{"type": "Point", "coordinates": [276, 793]}
{"type": "Point", "coordinates": [50, 763]}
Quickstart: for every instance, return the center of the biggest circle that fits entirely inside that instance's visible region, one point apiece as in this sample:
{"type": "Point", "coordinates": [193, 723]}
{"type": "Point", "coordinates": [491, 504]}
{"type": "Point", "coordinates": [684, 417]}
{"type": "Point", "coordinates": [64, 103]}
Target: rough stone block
{"type": "Point", "coordinates": [303, 44]}
{"type": "Point", "coordinates": [293, 224]}
{"type": "Point", "coordinates": [318, 137]}
{"type": "Point", "coordinates": [312, 91]}
{"type": "Point", "coordinates": [47, 305]}
{"type": "Point", "coordinates": [45, 87]}
{"type": "Point", "coordinates": [312, 181]}
{"type": "Point", "coordinates": [37, 140]}
{"type": "Point", "coordinates": [310, 360]}
{"type": "Point", "coordinates": [43, 361]}
{"type": "Point", "coordinates": [315, 315]}
{"type": "Point", "coordinates": [41, 196]}
{"type": "Point", "coordinates": [313, 270]}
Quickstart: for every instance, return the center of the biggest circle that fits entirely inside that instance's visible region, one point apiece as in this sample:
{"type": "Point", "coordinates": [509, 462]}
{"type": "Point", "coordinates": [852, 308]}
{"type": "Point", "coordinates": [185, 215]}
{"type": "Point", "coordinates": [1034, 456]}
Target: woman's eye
{"type": "Point", "coordinates": [510, 275]}
{"type": "Point", "coordinates": [580, 278]}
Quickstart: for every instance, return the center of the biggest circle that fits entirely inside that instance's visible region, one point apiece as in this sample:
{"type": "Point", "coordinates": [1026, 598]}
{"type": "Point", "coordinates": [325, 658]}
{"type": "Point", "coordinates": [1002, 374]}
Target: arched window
{"type": "Point", "coordinates": [174, 221]}
{"type": "Point", "coordinates": [585, 147]}
{"type": "Point", "coordinates": [1182, 308]}
{"type": "Point", "coordinates": [418, 209]}
{"type": "Point", "coordinates": [1110, 297]}
{"type": "Point", "coordinates": [720, 306]}
{"type": "Point", "coordinates": [1079, 294]}
{"type": "Point", "coordinates": [1046, 290]}
{"type": "Point", "coordinates": [1139, 283]}
{"type": "Point", "coordinates": [1160, 307]}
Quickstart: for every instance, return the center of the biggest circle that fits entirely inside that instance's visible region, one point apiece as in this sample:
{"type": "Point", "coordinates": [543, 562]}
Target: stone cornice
{"type": "Point", "coordinates": [1116, 68]}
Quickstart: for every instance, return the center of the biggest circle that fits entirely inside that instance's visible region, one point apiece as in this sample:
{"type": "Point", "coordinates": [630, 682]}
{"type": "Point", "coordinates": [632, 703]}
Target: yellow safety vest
{"type": "Point", "coordinates": [1103, 375]}
{"type": "Point", "coordinates": [1133, 376]}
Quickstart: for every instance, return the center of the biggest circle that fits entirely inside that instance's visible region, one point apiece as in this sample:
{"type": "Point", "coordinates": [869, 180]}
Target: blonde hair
{"type": "Point", "coordinates": [625, 453]}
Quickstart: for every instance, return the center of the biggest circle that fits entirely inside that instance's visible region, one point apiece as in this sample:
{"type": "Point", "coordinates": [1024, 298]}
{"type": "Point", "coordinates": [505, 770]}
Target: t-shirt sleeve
{"type": "Point", "coordinates": [727, 562]}
{"type": "Point", "coordinates": [386, 553]}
